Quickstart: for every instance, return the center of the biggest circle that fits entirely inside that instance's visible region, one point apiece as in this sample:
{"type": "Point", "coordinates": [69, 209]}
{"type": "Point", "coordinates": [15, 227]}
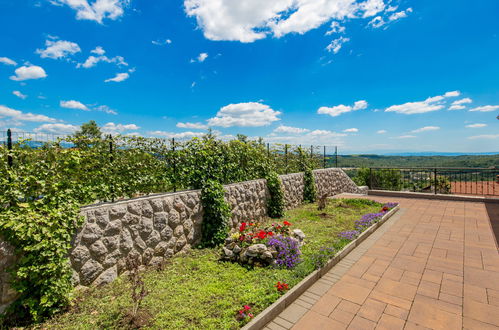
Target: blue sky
{"type": "Point", "coordinates": [366, 75]}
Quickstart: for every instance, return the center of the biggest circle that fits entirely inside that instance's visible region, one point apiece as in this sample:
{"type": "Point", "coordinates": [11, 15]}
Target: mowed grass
{"type": "Point", "coordinates": [197, 291]}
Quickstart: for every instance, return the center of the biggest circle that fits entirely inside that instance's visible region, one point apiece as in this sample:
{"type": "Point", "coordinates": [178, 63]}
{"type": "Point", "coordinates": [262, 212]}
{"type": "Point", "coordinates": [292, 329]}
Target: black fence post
{"type": "Point", "coordinates": [174, 166]}
{"type": "Point", "coordinates": [311, 151]}
{"type": "Point", "coordinates": [286, 158]}
{"type": "Point", "coordinates": [9, 147]}
{"type": "Point", "coordinates": [268, 150]}
{"type": "Point", "coordinates": [336, 155]}
{"type": "Point", "coordinates": [111, 159]}
{"type": "Point", "coordinates": [324, 158]}
{"type": "Point", "coordinates": [435, 177]}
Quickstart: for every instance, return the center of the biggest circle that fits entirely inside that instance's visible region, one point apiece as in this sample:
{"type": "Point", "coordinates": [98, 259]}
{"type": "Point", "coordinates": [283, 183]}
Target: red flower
{"type": "Point", "coordinates": [250, 315]}
{"type": "Point", "coordinates": [282, 286]}
{"type": "Point", "coordinates": [262, 234]}
{"type": "Point", "coordinates": [286, 223]}
{"type": "Point", "coordinates": [243, 227]}
{"type": "Point", "coordinates": [270, 233]}
{"type": "Point", "coordinates": [384, 209]}
{"type": "Point", "coordinates": [241, 238]}
{"type": "Point", "coordinates": [247, 308]}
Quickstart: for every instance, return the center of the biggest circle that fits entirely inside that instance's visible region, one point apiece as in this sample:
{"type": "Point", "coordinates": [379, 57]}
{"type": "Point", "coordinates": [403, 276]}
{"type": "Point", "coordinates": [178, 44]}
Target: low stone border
{"type": "Point", "coordinates": [294, 293]}
{"type": "Point", "coordinates": [450, 197]}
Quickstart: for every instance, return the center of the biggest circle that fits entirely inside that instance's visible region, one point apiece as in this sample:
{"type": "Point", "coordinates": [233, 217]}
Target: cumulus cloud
{"type": "Point", "coordinates": [476, 125]}
{"type": "Point", "coordinates": [106, 109]}
{"type": "Point", "coordinates": [381, 131]}
{"type": "Point", "coordinates": [351, 130]}
{"type": "Point", "coordinates": [379, 21]}
{"type": "Point", "coordinates": [192, 125]}
{"type": "Point", "coordinates": [430, 104]}
{"type": "Point", "coordinates": [340, 109]}
{"type": "Point", "coordinates": [426, 129]}
{"type": "Point", "coordinates": [19, 94]}
{"type": "Point", "coordinates": [72, 104]}
{"type": "Point", "coordinates": [290, 130]}
{"type": "Point", "coordinates": [400, 14]}
{"type": "Point", "coordinates": [486, 108]}
{"type": "Point", "coordinates": [112, 128]}
{"type": "Point", "coordinates": [459, 104]}
{"type": "Point", "coordinates": [336, 45]}
{"type": "Point", "coordinates": [57, 128]}
{"type": "Point", "coordinates": [250, 114]}
{"type": "Point", "coordinates": [484, 137]}
{"type": "Point", "coordinates": [28, 72]}
{"type": "Point", "coordinates": [7, 61]}
{"type": "Point", "coordinates": [92, 61]}
{"type": "Point", "coordinates": [249, 21]}
{"type": "Point", "coordinates": [17, 115]}
{"type": "Point", "coordinates": [171, 135]}
{"type": "Point", "coordinates": [322, 137]}
{"type": "Point", "coordinates": [96, 10]}
{"type": "Point", "coordinates": [58, 49]}
{"type": "Point", "coordinates": [335, 28]}
{"type": "Point", "coordinates": [119, 77]}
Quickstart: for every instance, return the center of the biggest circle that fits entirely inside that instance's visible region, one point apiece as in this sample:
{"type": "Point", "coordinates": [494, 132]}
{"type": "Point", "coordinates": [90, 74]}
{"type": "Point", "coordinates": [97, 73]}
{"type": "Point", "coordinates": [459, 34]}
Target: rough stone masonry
{"type": "Point", "coordinates": [157, 227]}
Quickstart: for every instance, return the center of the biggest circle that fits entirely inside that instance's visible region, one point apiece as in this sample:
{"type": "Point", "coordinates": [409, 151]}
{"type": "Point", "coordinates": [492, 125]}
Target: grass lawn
{"type": "Point", "coordinates": [196, 291]}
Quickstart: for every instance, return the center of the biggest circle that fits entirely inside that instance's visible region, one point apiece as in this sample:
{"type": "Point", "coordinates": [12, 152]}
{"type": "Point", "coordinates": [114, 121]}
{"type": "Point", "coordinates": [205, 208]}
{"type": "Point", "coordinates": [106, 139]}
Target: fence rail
{"type": "Point", "coordinates": [437, 180]}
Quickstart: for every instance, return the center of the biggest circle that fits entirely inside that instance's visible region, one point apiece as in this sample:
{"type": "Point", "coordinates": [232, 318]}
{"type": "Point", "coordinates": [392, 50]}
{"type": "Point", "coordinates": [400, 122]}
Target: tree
{"type": "Point", "coordinates": [89, 130]}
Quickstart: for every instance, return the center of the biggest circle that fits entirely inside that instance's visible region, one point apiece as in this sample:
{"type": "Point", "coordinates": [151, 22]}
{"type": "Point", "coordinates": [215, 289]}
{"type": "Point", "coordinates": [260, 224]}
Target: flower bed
{"type": "Point", "coordinates": [275, 245]}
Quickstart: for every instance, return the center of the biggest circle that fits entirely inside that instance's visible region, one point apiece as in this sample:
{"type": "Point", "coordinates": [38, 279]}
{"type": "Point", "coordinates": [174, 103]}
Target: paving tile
{"type": "Point", "coordinates": [326, 304]}
{"type": "Point", "coordinates": [293, 313]}
{"type": "Point", "coordinates": [351, 292]}
{"type": "Point", "coordinates": [348, 306]}
{"type": "Point", "coordinates": [429, 289]}
{"type": "Point", "coordinates": [452, 287]}
{"type": "Point", "coordinates": [472, 324]}
{"type": "Point", "coordinates": [372, 310]}
{"type": "Point", "coordinates": [430, 316]}
{"type": "Point", "coordinates": [451, 299]}
{"type": "Point", "coordinates": [283, 323]}
{"type": "Point", "coordinates": [342, 316]}
{"type": "Point", "coordinates": [390, 322]}
{"type": "Point", "coordinates": [397, 289]}
{"type": "Point", "coordinates": [360, 323]}
{"type": "Point", "coordinates": [397, 312]}
{"type": "Point", "coordinates": [481, 312]}
{"type": "Point", "coordinates": [313, 320]}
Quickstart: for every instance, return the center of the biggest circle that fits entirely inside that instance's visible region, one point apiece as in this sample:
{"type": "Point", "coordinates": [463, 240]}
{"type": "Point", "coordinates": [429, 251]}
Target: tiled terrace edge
{"type": "Point", "coordinates": [457, 198]}
{"type": "Point", "coordinates": [294, 293]}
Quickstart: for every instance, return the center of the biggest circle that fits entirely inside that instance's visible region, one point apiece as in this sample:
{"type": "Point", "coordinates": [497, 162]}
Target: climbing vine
{"type": "Point", "coordinates": [276, 200]}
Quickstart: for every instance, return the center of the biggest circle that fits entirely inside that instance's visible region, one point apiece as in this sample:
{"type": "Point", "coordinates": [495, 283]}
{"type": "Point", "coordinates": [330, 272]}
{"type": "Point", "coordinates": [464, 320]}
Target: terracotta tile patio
{"type": "Point", "coordinates": [434, 265]}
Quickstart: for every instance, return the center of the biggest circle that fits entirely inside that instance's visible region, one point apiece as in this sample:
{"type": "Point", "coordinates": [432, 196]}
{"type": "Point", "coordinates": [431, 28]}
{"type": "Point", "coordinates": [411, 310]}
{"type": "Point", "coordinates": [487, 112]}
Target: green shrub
{"type": "Point", "coordinates": [309, 191]}
{"type": "Point", "coordinates": [216, 214]}
{"type": "Point", "coordinates": [275, 204]}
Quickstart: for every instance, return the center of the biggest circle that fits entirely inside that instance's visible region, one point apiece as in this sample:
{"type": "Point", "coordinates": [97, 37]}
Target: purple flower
{"type": "Point", "coordinates": [390, 205]}
{"type": "Point", "coordinates": [349, 234]}
{"type": "Point", "coordinates": [367, 220]}
{"type": "Point", "coordinates": [288, 252]}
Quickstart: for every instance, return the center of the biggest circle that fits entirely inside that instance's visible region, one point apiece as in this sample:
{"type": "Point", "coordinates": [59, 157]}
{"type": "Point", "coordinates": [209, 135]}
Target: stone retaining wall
{"type": "Point", "coordinates": [157, 227]}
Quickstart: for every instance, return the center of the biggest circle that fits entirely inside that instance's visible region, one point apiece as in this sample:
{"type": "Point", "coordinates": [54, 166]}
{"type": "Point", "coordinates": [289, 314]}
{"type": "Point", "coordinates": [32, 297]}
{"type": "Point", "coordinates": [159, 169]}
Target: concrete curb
{"type": "Point", "coordinates": [289, 297]}
{"type": "Point", "coordinates": [408, 194]}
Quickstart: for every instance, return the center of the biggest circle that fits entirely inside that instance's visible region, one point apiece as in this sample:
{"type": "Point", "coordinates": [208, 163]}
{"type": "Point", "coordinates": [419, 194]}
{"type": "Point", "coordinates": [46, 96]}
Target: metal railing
{"type": "Point", "coordinates": [437, 180]}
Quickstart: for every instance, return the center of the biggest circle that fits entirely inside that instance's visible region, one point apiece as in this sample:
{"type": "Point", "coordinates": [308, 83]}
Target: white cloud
{"type": "Point", "coordinates": [92, 61]}
{"type": "Point", "coordinates": [98, 10]}
{"type": "Point", "coordinates": [351, 130]}
{"type": "Point", "coordinates": [405, 137]}
{"type": "Point", "coordinates": [192, 125]}
{"type": "Point", "coordinates": [170, 135]}
{"type": "Point", "coordinates": [247, 21]}
{"type": "Point", "coordinates": [486, 108]}
{"type": "Point", "coordinates": [340, 109]}
{"type": "Point", "coordinates": [19, 94]}
{"type": "Point", "coordinates": [458, 105]}
{"type": "Point", "coordinates": [106, 109]}
{"type": "Point", "coordinates": [381, 131]}
{"type": "Point", "coordinates": [336, 45]}
{"type": "Point", "coordinates": [72, 104]}
{"type": "Point", "coordinates": [98, 50]}
{"type": "Point", "coordinates": [430, 104]}
{"type": "Point", "coordinates": [426, 129]}
{"type": "Point", "coordinates": [321, 137]}
{"type": "Point", "coordinates": [377, 22]}
{"type": "Point", "coordinates": [485, 137]}
{"type": "Point", "coordinates": [290, 130]}
{"type": "Point", "coordinates": [28, 72]}
{"type": "Point", "coordinates": [58, 49]}
{"type": "Point", "coordinates": [201, 58]}
{"type": "Point", "coordinates": [7, 61]}
{"type": "Point", "coordinates": [112, 128]}
{"type": "Point", "coordinates": [476, 125]}
{"type": "Point", "coordinates": [6, 112]}
{"type": "Point", "coordinates": [250, 114]}
{"type": "Point", "coordinates": [58, 128]}
{"type": "Point", "coordinates": [335, 28]}
{"type": "Point", "coordinates": [161, 42]}
{"type": "Point", "coordinates": [400, 14]}
{"type": "Point", "coordinates": [119, 77]}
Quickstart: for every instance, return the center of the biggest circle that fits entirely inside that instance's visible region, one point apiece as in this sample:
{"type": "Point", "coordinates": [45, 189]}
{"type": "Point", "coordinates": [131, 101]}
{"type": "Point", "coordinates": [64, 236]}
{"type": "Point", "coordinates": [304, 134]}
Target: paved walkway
{"type": "Point", "coordinates": [435, 265]}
